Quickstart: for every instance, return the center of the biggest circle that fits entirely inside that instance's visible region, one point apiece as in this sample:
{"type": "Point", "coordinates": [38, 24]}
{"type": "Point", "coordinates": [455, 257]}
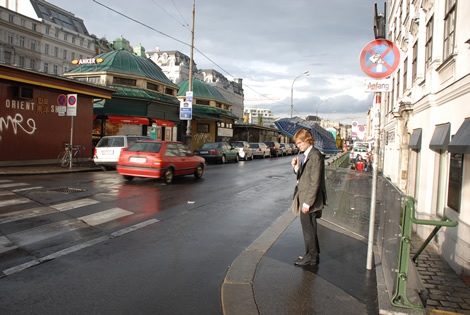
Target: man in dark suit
{"type": "Point", "coordinates": [310, 193]}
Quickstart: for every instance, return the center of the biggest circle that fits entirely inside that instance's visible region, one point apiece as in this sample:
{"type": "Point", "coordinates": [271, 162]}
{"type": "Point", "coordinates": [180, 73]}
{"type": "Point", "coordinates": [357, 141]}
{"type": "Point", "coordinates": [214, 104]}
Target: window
{"type": "Point", "coordinates": [33, 45]}
{"type": "Point", "coordinates": [21, 41]}
{"type": "Point", "coordinates": [72, 56]}
{"type": "Point", "coordinates": [65, 54]}
{"type": "Point", "coordinates": [81, 41]}
{"type": "Point", "coordinates": [56, 51]}
{"type": "Point", "coordinates": [46, 49]}
{"type": "Point", "coordinates": [34, 26]}
{"type": "Point", "coordinates": [10, 38]}
{"type": "Point", "coordinates": [21, 61]}
{"type": "Point", "coordinates": [56, 70]}
{"type": "Point", "coordinates": [48, 29]}
{"type": "Point", "coordinates": [23, 23]}
{"type": "Point", "coordinates": [32, 64]}
{"type": "Point", "coordinates": [46, 67]}
{"type": "Point", "coordinates": [203, 128]}
{"type": "Point", "coordinates": [455, 181]}
{"type": "Point", "coordinates": [7, 57]}
{"type": "Point", "coordinates": [398, 84]}
{"type": "Point", "coordinates": [172, 150]}
{"type": "Point", "coordinates": [65, 36]}
{"type": "Point", "coordinates": [57, 32]}
{"type": "Point", "coordinates": [449, 28]}
{"type": "Point", "coordinates": [405, 73]}
{"type": "Point", "coordinates": [429, 33]}
{"type": "Point", "coordinates": [414, 70]}
{"type": "Point", "coordinates": [10, 18]}
{"type": "Point", "coordinates": [73, 39]}
{"type": "Point", "coordinates": [202, 102]}
{"type": "Point", "coordinates": [152, 86]}
{"type": "Point", "coordinates": [168, 91]}
{"type": "Point", "coordinates": [124, 81]}
{"type": "Point", "coordinates": [184, 151]}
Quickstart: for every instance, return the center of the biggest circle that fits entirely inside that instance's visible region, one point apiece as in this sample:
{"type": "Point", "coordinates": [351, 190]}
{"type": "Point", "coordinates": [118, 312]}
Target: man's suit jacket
{"type": "Point", "coordinates": [311, 186]}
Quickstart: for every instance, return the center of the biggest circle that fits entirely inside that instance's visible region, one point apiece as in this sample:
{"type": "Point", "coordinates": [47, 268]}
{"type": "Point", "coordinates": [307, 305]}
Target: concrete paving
{"type": "Point", "coordinates": [264, 280]}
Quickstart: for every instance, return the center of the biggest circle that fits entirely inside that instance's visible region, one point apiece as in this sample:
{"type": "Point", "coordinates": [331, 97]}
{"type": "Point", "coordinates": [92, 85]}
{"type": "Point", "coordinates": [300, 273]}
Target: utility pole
{"type": "Point", "coordinates": [190, 87]}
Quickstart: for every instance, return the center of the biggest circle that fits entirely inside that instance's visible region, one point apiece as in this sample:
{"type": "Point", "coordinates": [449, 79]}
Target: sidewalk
{"type": "Point", "coordinates": [47, 169]}
{"type": "Point", "coordinates": [264, 280]}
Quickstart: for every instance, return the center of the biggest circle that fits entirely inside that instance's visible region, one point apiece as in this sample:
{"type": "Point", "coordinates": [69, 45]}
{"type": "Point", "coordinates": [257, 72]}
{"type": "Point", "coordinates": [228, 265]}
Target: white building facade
{"type": "Point", "coordinates": [425, 121]}
{"type": "Point", "coordinates": [40, 36]}
{"type": "Point", "coordinates": [253, 115]}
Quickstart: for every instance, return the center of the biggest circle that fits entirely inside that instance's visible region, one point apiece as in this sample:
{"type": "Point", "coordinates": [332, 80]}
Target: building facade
{"type": "Point", "coordinates": [39, 36]}
{"type": "Point", "coordinates": [425, 120]}
{"type": "Point", "coordinates": [257, 115]}
{"type": "Point", "coordinates": [175, 65]}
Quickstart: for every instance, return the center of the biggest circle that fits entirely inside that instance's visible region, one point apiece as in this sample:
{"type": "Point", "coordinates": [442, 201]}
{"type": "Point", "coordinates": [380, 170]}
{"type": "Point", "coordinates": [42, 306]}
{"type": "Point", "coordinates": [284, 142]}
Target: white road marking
{"type": "Point", "coordinates": [6, 193]}
{"type": "Point", "coordinates": [10, 202]}
{"type": "Point", "coordinates": [46, 231]}
{"type": "Point", "coordinates": [25, 214]}
{"type": "Point", "coordinates": [13, 185]}
{"type": "Point", "coordinates": [27, 188]}
{"type": "Point", "coordinates": [77, 247]}
{"type": "Point", "coordinates": [74, 204]}
{"type": "Point", "coordinates": [5, 181]}
{"type": "Point", "coordinates": [6, 244]}
{"type": "Point", "coordinates": [105, 216]}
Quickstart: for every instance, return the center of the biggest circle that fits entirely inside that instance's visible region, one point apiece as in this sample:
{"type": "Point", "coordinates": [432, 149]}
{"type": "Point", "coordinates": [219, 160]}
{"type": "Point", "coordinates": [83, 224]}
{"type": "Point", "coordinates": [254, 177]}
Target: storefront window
{"type": "Point", "coordinates": [455, 181]}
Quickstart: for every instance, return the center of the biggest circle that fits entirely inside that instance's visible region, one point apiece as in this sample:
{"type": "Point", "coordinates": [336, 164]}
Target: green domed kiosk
{"type": "Point", "coordinates": [143, 97]}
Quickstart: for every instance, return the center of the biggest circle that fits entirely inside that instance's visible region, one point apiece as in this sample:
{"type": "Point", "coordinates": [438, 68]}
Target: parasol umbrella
{"type": "Point", "coordinates": [324, 140]}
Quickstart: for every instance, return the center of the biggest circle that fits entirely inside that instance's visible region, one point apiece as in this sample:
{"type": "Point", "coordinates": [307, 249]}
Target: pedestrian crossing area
{"type": "Point", "coordinates": [31, 227]}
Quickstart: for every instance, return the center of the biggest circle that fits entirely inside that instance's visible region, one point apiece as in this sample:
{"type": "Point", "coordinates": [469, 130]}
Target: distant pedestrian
{"type": "Point", "coordinates": [360, 164]}
{"type": "Point", "coordinates": [309, 194]}
{"type": "Point", "coordinates": [367, 165]}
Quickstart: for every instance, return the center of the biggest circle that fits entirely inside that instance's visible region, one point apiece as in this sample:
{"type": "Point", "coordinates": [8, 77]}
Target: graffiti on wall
{"type": "Point", "coordinates": [201, 138]}
{"type": "Point", "coordinates": [17, 122]}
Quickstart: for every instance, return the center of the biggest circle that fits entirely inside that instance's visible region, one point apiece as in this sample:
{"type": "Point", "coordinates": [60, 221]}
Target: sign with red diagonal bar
{"type": "Point", "coordinates": [379, 58]}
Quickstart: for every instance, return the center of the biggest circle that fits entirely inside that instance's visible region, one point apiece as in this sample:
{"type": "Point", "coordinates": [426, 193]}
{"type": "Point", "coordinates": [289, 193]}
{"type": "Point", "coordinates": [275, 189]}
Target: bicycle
{"type": "Point", "coordinates": [75, 152]}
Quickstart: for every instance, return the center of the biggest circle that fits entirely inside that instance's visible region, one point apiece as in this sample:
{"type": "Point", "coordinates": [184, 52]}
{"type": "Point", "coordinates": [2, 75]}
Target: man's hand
{"type": "Point", "coordinates": [305, 209]}
{"type": "Point", "coordinates": [295, 162]}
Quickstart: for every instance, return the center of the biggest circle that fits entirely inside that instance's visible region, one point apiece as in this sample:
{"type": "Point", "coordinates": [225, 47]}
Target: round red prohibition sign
{"type": "Point", "coordinates": [361, 128]}
{"type": "Point", "coordinates": [354, 124]}
{"type": "Point", "coordinates": [72, 100]}
{"type": "Point", "coordinates": [61, 100]}
{"type": "Point", "coordinates": [379, 58]}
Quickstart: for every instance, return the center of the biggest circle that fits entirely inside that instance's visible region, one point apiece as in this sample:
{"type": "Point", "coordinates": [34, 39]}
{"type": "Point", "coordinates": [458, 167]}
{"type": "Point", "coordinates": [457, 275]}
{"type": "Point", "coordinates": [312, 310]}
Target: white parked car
{"type": "Point", "coordinates": [244, 150]}
{"type": "Point", "coordinates": [260, 150]}
{"type": "Point", "coordinates": [108, 149]}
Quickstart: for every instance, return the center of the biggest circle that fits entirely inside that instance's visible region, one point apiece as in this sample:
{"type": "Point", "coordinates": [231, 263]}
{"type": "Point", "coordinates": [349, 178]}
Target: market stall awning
{"type": "Point", "coordinates": [461, 141]}
{"type": "Point", "coordinates": [128, 120]}
{"type": "Point", "coordinates": [163, 122]}
{"type": "Point", "coordinates": [324, 140]}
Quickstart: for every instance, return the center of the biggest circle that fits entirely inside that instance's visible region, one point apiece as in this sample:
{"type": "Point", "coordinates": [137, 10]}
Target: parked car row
{"type": "Point", "coordinates": [140, 156]}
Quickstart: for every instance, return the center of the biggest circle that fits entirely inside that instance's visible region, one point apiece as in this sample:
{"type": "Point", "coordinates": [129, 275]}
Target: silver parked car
{"type": "Point", "coordinates": [286, 149]}
{"type": "Point", "coordinates": [108, 149]}
{"type": "Point", "coordinates": [260, 150]}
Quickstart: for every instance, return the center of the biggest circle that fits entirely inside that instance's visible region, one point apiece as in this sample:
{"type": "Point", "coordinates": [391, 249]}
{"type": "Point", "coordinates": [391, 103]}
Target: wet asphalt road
{"type": "Point", "coordinates": [175, 266]}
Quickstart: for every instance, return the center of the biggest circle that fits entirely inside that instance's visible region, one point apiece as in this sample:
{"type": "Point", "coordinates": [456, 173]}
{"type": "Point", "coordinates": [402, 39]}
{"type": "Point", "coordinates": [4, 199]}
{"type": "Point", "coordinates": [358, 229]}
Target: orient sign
{"type": "Point", "coordinates": [87, 61]}
{"type": "Point", "coordinates": [380, 58]}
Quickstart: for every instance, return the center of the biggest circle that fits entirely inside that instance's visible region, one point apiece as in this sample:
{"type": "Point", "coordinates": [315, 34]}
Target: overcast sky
{"type": "Point", "coordinates": [267, 43]}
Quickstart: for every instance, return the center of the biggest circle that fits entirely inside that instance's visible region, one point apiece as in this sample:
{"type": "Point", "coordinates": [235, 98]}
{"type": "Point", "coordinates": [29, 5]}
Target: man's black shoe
{"type": "Point", "coordinates": [303, 262]}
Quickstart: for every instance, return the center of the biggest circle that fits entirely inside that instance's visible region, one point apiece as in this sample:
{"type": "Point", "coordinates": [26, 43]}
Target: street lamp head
{"type": "Point", "coordinates": [306, 73]}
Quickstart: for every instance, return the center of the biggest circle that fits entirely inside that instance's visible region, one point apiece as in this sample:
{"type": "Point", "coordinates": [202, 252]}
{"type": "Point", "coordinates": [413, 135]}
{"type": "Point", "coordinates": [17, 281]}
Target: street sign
{"type": "Point", "coordinates": [186, 110]}
{"type": "Point", "coordinates": [189, 96]}
{"type": "Point", "coordinates": [383, 85]}
{"type": "Point", "coordinates": [71, 104]}
{"type": "Point", "coordinates": [379, 58]}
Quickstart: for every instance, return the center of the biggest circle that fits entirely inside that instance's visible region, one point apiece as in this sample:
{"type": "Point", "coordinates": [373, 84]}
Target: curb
{"type": "Point", "coordinates": [237, 294]}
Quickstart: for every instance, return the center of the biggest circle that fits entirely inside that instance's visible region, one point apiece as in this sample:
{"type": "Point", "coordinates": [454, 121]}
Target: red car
{"type": "Point", "coordinates": [159, 159]}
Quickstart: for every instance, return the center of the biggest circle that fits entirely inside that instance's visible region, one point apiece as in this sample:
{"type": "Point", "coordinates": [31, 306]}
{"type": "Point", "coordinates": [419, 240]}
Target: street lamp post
{"type": "Point", "coordinates": [326, 100]}
{"type": "Point", "coordinates": [305, 73]}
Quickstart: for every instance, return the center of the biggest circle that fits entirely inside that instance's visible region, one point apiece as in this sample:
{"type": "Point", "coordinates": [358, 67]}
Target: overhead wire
{"type": "Point", "coordinates": [179, 41]}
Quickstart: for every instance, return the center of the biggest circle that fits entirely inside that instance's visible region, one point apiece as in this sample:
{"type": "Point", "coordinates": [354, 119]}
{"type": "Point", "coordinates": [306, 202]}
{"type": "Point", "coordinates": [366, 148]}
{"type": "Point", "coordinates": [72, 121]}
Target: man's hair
{"type": "Point", "coordinates": [303, 135]}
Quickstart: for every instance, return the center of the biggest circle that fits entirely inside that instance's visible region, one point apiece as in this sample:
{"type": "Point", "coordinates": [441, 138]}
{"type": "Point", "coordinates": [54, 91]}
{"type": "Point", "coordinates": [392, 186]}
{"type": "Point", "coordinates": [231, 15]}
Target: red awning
{"type": "Point", "coordinates": [163, 122]}
{"type": "Point", "coordinates": [128, 120]}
